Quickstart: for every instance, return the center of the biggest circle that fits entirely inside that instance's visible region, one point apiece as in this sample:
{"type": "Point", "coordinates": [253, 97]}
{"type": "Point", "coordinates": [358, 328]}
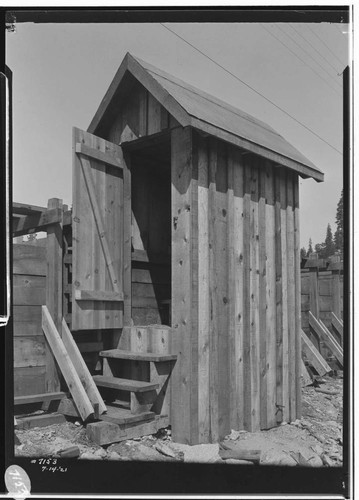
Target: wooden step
{"type": "Point", "coordinates": [122, 416]}
{"type": "Point", "coordinates": [124, 384]}
{"type": "Point", "coordinates": [137, 356]}
{"type": "Point", "coordinates": [39, 398]}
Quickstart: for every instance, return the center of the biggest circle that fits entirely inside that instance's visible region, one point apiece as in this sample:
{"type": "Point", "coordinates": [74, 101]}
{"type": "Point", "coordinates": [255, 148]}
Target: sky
{"type": "Point", "coordinates": [62, 71]}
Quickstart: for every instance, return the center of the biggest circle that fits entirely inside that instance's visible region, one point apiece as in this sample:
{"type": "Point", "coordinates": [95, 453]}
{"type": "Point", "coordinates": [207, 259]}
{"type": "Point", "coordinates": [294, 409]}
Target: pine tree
{"type": "Point", "coordinates": [328, 247]}
{"type": "Point", "coordinates": [339, 220]}
{"type": "Point", "coordinates": [310, 247]}
{"type": "Point", "coordinates": [320, 250]}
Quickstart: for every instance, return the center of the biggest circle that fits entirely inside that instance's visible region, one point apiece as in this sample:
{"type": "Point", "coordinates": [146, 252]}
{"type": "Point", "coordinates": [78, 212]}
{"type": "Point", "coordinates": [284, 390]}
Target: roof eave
{"type": "Point", "coordinates": [303, 170]}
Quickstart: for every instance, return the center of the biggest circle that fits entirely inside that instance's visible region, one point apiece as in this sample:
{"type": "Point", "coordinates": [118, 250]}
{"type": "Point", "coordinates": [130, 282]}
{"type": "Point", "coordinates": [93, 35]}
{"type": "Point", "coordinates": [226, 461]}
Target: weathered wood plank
{"type": "Point", "coordinates": [27, 321]}
{"type": "Point", "coordinates": [263, 236]}
{"type": "Point", "coordinates": [81, 369]}
{"type": "Point", "coordinates": [139, 355]}
{"type": "Point", "coordinates": [313, 290]}
{"type": "Point", "coordinates": [29, 290]}
{"type": "Point", "coordinates": [36, 398]}
{"type": "Point", "coordinates": [67, 368]}
{"type": "Point", "coordinates": [38, 222]}
{"type": "Point", "coordinates": [29, 351]}
{"type": "Point", "coordinates": [194, 353]}
{"type": "Point", "coordinates": [247, 403]}
{"type": "Point", "coordinates": [127, 215]}
{"type": "Point", "coordinates": [232, 382]}
{"type": "Point", "coordinates": [40, 421]}
{"type": "Point", "coordinates": [54, 289]}
{"type": "Point", "coordinates": [271, 344]}
{"type": "Point", "coordinates": [285, 339]}
{"type": "Point", "coordinates": [314, 356]}
{"type": "Point", "coordinates": [337, 304]}
{"type": "Point", "coordinates": [221, 283]}
{"type": "Point", "coordinates": [293, 374]}
{"type": "Point", "coordinates": [99, 295]}
{"type": "Point", "coordinates": [238, 276]}
{"type": "Point", "coordinates": [25, 209]}
{"type": "Point", "coordinates": [326, 337]}
{"type": "Point", "coordinates": [181, 177]}
{"type": "Point", "coordinates": [298, 342]}
{"type": "Point", "coordinates": [29, 259]}
{"type": "Point", "coordinates": [279, 297]}
{"type": "Point", "coordinates": [96, 154]}
{"type": "Point", "coordinates": [29, 380]}
{"type": "Point", "coordinates": [104, 433]}
{"type": "Point", "coordinates": [254, 298]}
{"type": "Point", "coordinates": [213, 332]}
{"type": "Point", "coordinates": [154, 115]}
{"type": "Point", "coordinates": [124, 384]}
{"type": "Point", "coordinates": [337, 324]}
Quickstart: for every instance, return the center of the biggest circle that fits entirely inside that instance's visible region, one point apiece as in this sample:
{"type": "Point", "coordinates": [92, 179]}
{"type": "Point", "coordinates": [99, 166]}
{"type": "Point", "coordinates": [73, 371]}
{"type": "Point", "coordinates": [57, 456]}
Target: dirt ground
{"type": "Point", "coordinates": [314, 440]}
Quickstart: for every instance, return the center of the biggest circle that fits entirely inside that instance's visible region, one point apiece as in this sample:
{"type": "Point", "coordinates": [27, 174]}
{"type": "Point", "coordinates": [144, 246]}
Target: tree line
{"type": "Point", "coordinates": [331, 244]}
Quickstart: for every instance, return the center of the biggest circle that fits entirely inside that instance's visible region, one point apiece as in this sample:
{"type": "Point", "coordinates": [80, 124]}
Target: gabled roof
{"type": "Point", "coordinates": [193, 107]}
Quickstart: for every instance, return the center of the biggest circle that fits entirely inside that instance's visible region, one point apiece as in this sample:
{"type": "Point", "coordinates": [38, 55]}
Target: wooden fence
{"type": "Point", "coordinates": [37, 280]}
{"type": "Point", "coordinates": [29, 293]}
{"type": "Point", "coordinates": [321, 292]}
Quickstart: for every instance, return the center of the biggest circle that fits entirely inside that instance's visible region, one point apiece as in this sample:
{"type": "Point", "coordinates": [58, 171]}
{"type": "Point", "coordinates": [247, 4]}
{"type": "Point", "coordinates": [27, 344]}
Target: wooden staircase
{"type": "Point", "coordinates": [146, 408]}
{"type": "Point", "coordinates": [134, 382]}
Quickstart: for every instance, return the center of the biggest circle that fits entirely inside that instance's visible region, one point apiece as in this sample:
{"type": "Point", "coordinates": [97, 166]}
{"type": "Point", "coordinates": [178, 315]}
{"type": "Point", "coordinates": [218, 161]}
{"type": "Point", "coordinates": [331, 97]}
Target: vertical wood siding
{"type": "Point", "coordinates": [236, 290]}
{"type": "Point", "coordinates": [29, 294]}
{"type": "Point", "coordinates": [139, 114]}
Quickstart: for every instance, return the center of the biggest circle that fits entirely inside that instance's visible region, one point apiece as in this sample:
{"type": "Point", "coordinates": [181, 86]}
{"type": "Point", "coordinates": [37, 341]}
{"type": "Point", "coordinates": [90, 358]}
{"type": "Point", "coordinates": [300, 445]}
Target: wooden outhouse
{"type": "Point", "coordinates": [185, 241]}
{"type": "Point", "coordinates": [206, 240]}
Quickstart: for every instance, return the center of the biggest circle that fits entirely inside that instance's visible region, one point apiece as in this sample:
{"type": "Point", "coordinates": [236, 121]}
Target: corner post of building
{"type": "Point", "coordinates": [184, 302]}
{"type": "Point", "coordinates": [54, 289]}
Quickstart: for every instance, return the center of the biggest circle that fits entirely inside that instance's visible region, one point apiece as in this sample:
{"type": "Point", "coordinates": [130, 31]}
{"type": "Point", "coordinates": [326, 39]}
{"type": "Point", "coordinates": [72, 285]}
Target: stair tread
{"type": "Point", "coordinates": [124, 384]}
{"type": "Point", "coordinates": [137, 356]}
{"type": "Point", "coordinates": [124, 416]}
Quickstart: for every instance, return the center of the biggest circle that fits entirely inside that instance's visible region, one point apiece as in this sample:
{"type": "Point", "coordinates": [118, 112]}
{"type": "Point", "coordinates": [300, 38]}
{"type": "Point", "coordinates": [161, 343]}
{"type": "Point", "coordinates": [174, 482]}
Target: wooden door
{"type": "Point", "coordinates": [98, 233]}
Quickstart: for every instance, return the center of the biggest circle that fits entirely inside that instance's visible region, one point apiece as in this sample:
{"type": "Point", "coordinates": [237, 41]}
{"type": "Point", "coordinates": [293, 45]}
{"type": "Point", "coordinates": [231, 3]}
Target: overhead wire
{"type": "Point", "coordinates": [323, 42]}
{"type": "Point", "coordinates": [309, 55]}
{"type": "Point", "coordinates": [316, 50]}
{"type": "Point", "coordinates": [251, 88]}
{"type": "Point", "coordinates": [298, 57]}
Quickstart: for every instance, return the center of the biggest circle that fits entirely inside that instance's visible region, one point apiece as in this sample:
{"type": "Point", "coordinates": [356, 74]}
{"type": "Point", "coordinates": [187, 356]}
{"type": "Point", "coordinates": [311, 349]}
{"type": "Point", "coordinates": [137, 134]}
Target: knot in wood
{"type": "Point", "coordinates": [225, 300]}
{"type": "Point", "coordinates": [76, 219]}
